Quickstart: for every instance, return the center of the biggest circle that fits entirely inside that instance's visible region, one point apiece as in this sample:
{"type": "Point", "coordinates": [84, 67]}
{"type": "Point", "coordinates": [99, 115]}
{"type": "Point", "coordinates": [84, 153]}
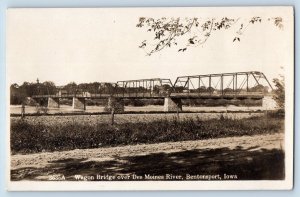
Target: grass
{"type": "Point", "coordinates": [31, 137]}
{"type": "Point", "coordinates": [132, 117]}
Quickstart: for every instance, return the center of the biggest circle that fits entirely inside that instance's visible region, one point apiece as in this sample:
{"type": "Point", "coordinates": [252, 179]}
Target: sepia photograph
{"type": "Point", "coordinates": [165, 98]}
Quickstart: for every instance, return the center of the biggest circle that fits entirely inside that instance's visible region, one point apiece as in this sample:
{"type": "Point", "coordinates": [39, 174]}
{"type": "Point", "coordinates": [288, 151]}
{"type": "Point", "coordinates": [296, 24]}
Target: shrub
{"type": "Point", "coordinates": [116, 104]}
{"type": "Point", "coordinates": [41, 109]}
{"type": "Point", "coordinates": [36, 137]}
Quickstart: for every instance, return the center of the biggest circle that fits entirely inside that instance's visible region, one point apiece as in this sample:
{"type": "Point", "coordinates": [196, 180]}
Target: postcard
{"type": "Point", "coordinates": [164, 98]}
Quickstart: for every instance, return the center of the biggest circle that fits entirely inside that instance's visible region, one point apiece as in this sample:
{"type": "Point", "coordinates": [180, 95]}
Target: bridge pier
{"type": "Point", "coordinates": [36, 101]}
{"type": "Point", "coordinates": [79, 103]}
{"type": "Point", "coordinates": [53, 102]}
{"type": "Point", "coordinates": [172, 105]}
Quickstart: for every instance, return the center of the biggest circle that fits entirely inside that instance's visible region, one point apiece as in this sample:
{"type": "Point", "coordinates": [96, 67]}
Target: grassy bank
{"type": "Point", "coordinates": [29, 137]}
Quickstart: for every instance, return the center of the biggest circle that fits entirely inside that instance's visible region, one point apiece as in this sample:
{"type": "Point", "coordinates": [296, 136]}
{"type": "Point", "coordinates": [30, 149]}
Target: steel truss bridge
{"type": "Point", "coordinates": [240, 85]}
{"type": "Point", "coordinates": [245, 86]}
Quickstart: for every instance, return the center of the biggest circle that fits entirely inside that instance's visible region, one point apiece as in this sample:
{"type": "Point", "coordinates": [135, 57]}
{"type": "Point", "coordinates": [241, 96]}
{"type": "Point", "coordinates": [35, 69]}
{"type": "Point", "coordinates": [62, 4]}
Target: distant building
{"type": "Point", "coordinates": [86, 94]}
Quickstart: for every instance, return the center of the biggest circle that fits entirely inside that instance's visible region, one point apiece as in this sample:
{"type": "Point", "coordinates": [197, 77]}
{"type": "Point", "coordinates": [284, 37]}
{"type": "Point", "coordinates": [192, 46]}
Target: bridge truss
{"type": "Point", "coordinates": [223, 84]}
{"type": "Point", "coordinates": [156, 87]}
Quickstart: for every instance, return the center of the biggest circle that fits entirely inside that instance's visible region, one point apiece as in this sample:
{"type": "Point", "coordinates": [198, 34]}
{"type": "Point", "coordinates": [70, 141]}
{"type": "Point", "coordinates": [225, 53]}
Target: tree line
{"type": "Point", "coordinates": [18, 93]}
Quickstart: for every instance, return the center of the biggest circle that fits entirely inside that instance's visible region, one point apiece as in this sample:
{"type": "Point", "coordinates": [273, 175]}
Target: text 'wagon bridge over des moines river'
{"type": "Point", "coordinates": [246, 86]}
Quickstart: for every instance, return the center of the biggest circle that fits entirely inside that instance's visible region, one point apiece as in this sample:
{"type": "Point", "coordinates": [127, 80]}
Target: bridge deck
{"type": "Point", "coordinates": [159, 96]}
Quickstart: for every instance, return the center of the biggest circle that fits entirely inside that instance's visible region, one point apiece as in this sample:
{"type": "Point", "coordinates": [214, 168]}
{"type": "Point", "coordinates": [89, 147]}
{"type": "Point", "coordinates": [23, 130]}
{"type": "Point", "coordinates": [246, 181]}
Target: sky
{"type": "Point", "coordinates": [87, 45]}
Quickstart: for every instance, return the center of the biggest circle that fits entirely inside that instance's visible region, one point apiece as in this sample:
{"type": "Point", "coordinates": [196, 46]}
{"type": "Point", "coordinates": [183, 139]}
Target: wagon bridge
{"type": "Point", "coordinates": [224, 86]}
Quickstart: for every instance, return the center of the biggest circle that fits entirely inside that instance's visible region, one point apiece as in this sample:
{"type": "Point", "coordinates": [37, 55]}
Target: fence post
{"type": "Point", "coordinates": [112, 115]}
{"type": "Point", "coordinates": [23, 111]}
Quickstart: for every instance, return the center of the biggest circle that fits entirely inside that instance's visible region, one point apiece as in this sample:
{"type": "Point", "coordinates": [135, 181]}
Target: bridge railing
{"type": "Point", "coordinates": [217, 94]}
{"type": "Point", "coordinates": [154, 95]}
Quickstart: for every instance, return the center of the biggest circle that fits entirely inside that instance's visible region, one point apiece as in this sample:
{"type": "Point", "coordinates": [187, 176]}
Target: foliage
{"type": "Point", "coordinates": [41, 109]}
{"type": "Point", "coordinates": [259, 88]}
{"type": "Point", "coordinates": [114, 104]}
{"type": "Point", "coordinates": [167, 32]}
{"type": "Point", "coordinates": [30, 137]}
{"type": "Point", "coordinates": [71, 88]}
{"type": "Point", "coordinates": [143, 102]}
{"type": "Point", "coordinates": [279, 92]}
{"type": "Point", "coordinates": [18, 93]}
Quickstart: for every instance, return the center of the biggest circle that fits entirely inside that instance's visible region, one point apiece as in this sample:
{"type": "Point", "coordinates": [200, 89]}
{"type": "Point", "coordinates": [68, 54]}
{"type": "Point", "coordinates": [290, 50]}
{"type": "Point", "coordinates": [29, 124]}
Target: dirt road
{"type": "Point", "coordinates": [248, 157]}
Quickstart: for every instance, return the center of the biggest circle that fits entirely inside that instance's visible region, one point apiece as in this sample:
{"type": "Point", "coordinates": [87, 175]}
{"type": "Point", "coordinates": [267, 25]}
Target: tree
{"type": "Point", "coordinates": [94, 87]}
{"type": "Point", "coordinates": [71, 88]}
{"type": "Point", "coordinates": [167, 32]}
{"type": "Point", "coordinates": [226, 90]}
{"type": "Point", "coordinates": [259, 88]}
{"type": "Point", "coordinates": [113, 106]}
{"type": "Point", "coordinates": [279, 92]}
{"type": "Point", "coordinates": [48, 87]}
{"type": "Point", "coordinates": [165, 89]}
{"type": "Point", "coordinates": [107, 88]}
{"type": "Point", "coordinates": [16, 94]}
{"type": "Point", "coordinates": [179, 89]}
